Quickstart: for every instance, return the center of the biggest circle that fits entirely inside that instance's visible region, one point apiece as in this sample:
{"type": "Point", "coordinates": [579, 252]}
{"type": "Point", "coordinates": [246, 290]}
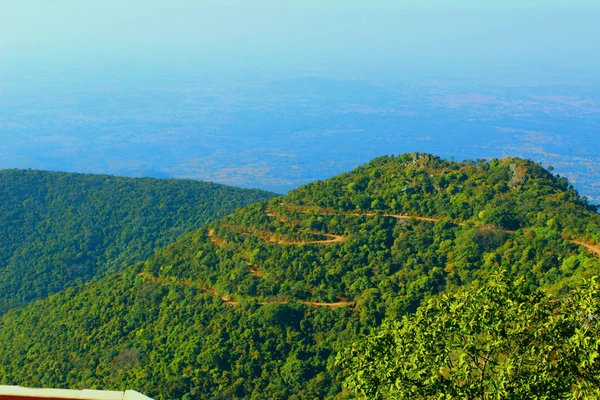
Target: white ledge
{"type": "Point", "coordinates": [11, 392]}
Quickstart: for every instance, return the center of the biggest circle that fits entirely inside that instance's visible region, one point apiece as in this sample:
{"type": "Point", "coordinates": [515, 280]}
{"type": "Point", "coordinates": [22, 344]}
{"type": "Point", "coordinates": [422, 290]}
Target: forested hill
{"type": "Point", "coordinates": [257, 305]}
{"type": "Point", "coordinates": [62, 229]}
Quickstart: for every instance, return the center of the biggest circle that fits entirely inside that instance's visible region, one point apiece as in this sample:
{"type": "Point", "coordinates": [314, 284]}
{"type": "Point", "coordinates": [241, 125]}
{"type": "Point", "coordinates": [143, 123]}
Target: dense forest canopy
{"type": "Point", "coordinates": [495, 340]}
{"type": "Point", "coordinates": [258, 304]}
{"type": "Point", "coordinates": [62, 229]}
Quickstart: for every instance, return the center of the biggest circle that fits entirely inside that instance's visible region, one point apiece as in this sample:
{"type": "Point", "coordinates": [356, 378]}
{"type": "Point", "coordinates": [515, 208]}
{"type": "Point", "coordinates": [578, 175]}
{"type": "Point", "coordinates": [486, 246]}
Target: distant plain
{"type": "Point", "coordinates": [278, 130]}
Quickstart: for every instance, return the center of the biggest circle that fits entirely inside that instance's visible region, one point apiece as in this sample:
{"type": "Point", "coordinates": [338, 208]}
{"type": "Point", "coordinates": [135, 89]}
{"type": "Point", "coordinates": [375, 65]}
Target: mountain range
{"type": "Point", "coordinates": [257, 304]}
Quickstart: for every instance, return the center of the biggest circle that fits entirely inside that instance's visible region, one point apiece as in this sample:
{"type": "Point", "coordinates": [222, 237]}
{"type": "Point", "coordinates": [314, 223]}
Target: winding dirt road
{"type": "Point", "coordinates": [225, 298]}
{"type": "Point", "coordinates": [334, 239]}
{"type": "Point", "coordinates": [593, 248]}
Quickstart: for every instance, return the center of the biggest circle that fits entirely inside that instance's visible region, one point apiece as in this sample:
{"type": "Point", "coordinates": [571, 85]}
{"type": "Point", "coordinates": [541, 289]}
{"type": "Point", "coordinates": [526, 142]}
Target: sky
{"type": "Point", "coordinates": [88, 69]}
{"type": "Point", "coordinates": [311, 34]}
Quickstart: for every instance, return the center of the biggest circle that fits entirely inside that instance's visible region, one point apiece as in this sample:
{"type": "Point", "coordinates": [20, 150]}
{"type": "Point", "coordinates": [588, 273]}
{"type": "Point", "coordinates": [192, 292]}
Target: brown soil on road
{"type": "Point", "coordinates": [254, 271]}
{"type": "Point", "coordinates": [594, 248]}
{"type": "Point", "coordinates": [409, 217]}
{"type": "Point", "coordinates": [278, 217]}
{"type": "Point", "coordinates": [225, 298]}
{"type": "Point", "coordinates": [324, 211]}
{"type": "Point", "coordinates": [184, 282]}
{"type": "Point", "coordinates": [313, 303]}
{"type": "Point", "coordinates": [333, 239]}
{"type": "Point", "coordinates": [330, 305]}
{"type": "Point", "coordinates": [221, 243]}
{"type": "Point", "coordinates": [217, 241]}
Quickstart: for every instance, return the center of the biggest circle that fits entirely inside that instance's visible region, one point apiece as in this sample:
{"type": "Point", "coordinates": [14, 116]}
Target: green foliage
{"type": "Point", "coordinates": [500, 341]}
{"type": "Point", "coordinates": [508, 193]}
{"type": "Point", "coordinates": [169, 341]}
{"type": "Point", "coordinates": [256, 305]}
{"type": "Point", "coordinates": [60, 229]}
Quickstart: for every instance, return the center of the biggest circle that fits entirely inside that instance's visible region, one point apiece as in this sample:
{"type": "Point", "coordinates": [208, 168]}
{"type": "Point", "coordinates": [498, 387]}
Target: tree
{"type": "Point", "coordinates": [498, 341]}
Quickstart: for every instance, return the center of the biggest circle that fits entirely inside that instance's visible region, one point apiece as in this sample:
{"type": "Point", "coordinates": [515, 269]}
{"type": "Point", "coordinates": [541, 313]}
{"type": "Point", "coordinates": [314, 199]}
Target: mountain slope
{"type": "Point", "coordinates": [62, 229]}
{"type": "Point", "coordinates": [257, 304]}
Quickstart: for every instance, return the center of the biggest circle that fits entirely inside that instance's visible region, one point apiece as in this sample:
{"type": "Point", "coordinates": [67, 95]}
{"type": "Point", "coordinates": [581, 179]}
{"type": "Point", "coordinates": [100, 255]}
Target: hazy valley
{"type": "Point", "coordinates": [276, 131]}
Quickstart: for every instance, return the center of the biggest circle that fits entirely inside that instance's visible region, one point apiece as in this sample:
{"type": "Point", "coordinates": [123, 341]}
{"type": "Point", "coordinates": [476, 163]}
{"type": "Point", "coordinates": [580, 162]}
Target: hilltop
{"type": "Point", "coordinates": [62, 229]}
{"type": "Point", "coordinates": [256, 305]}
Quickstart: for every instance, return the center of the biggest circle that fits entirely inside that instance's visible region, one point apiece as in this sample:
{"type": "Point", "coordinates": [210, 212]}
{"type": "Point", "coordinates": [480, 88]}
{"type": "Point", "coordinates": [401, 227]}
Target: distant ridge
{"type": "Point", "coordinates": [61, 229]}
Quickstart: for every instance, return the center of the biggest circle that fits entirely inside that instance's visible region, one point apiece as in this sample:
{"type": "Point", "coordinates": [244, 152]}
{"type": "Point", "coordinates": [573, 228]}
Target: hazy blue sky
{"type": "Point", "coordinates": [309, 33]}
{"type": "Point", "coordinates": [176, 87]}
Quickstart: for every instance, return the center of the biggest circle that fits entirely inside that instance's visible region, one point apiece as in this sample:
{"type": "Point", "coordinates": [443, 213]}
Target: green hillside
{"type": "Point", "coordinates": [61, 229]}
{"type": "Point", "coordinates": [258, 304]}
